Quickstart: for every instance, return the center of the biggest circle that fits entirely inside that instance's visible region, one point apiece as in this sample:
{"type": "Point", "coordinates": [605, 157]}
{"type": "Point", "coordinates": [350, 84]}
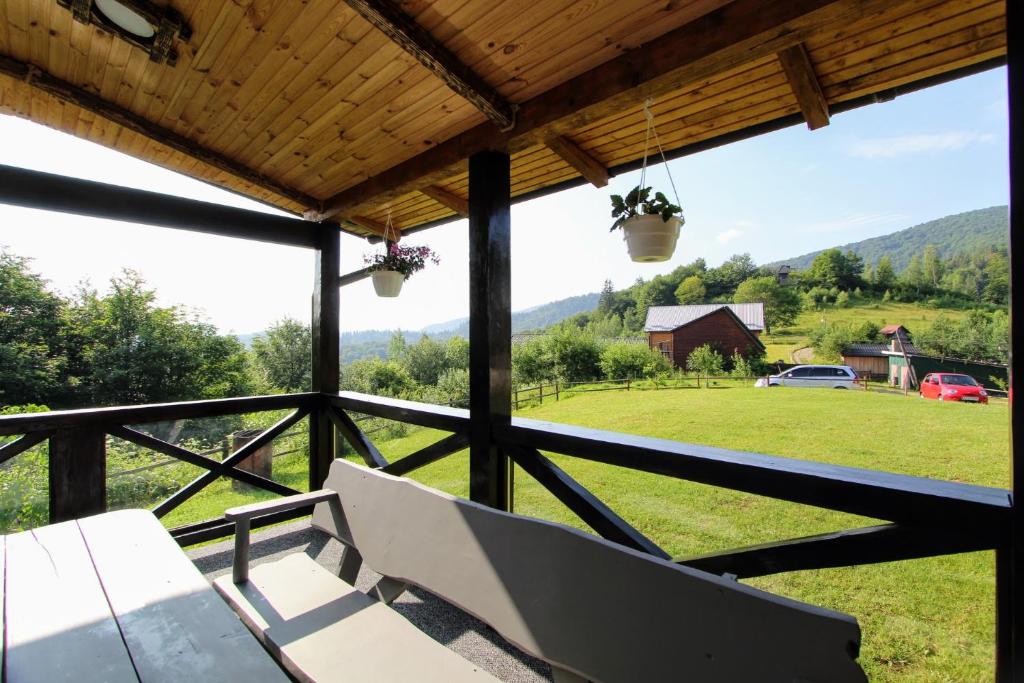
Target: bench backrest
{"type": "Point", "coordinates": [581, 603]}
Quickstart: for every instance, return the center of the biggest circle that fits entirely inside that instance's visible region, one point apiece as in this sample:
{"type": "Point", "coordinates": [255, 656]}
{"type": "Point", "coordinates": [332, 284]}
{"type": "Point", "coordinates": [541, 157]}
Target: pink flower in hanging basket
{"type": "Point", "coordinates": [405, 260]}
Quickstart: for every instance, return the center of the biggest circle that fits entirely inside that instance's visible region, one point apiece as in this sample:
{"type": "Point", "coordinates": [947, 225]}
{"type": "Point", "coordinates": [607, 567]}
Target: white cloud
{"type": "Point", "coordinates": [729, 235]}
{"type": "Point", "coordinates": [856, 221]}
{"type": "Point", "coordinates": [900, 145]}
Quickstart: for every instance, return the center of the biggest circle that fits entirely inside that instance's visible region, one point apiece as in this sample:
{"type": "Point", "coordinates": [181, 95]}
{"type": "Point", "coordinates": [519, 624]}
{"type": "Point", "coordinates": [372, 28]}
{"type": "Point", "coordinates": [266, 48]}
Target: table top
{"type": "Point", "coordinates": [113, 598]}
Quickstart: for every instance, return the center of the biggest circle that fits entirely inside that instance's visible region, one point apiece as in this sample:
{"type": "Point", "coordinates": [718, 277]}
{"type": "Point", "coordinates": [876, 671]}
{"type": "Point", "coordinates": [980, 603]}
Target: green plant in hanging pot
{"type": "Point", "coordinates": [650, 226]}
{"type": "Point", "coordinates": [393, 267]}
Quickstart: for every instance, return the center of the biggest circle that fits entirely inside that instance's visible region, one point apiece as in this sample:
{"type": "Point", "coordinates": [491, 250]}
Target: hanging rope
{"type": "Point", "coordinates": [651, 128]}
{"type": "Point", "coordinates": [389, 229]}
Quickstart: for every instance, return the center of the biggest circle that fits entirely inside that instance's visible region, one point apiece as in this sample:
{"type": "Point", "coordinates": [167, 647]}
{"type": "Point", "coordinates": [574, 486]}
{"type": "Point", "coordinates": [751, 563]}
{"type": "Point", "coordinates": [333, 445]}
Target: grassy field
{"type": "Point", "coordinates": [782, 343]}
{"type": "Point", "coordinates": [922, 620]}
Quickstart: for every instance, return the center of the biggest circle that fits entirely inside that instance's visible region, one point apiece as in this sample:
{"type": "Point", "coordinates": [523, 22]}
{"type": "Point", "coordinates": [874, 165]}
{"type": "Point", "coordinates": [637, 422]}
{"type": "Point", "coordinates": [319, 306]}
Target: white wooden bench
{"type": "Point", "coordinates": [593, 609]}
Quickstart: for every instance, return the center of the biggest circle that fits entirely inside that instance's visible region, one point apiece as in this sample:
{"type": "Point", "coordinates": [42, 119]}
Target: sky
{"type": "Point", "coordinates": [872, 171]}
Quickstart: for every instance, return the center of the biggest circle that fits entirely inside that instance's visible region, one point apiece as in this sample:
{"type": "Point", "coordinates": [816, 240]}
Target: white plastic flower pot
{"type": "Point", "coordinates": [387, 282]}
{"type": "Point", "coordinates": [650, 239]}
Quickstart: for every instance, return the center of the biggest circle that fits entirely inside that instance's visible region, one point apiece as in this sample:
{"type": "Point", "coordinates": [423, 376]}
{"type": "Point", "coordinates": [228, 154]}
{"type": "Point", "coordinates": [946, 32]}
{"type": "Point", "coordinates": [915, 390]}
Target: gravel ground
{"type": "Point", "coordinates": [446, 624]}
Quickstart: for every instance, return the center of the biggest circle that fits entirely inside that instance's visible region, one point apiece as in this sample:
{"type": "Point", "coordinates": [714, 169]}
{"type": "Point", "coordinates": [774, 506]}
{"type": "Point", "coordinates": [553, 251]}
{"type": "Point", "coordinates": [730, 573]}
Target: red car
{"type": "Point", "coordinates": [947, 386]}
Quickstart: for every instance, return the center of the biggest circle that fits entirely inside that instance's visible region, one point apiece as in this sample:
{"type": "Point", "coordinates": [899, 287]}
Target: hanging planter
{"type": "Point", "coordinates": [392, 268]}
{"type": "Point", "coordinates": [387, 283]}
{"type": "Point", "coordinates": [649, 226]}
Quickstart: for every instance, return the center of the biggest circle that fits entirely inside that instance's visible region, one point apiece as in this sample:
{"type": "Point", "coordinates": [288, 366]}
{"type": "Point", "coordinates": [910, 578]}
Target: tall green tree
{"type": "Point", "coordinates": [885, 275]}
{"type": "Point", "coordinates": [781, 303]}
{"type": "Point", "coordinates": [832, 268]}
{"type": "Point", "coordinates": [691, 291]}
{"type": "Point", "coordinates": [31, 358]}
{"type": "Point", "coordinates": [284, 355]}
{"type": "Point", "coordinates": [932, 266]}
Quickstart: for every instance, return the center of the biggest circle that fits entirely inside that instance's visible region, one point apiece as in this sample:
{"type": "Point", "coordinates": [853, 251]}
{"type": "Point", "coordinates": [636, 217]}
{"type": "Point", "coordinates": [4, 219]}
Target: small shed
{"type": "Point", "coordinates": [676, 331]}
{"type": "Point", "coordinates": [868, 360]}
{"type": "Point", "coordinates": [990, 375]}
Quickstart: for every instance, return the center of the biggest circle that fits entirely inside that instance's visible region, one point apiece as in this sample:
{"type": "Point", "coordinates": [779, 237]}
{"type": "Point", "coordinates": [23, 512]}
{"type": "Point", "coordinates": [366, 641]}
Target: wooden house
{"type": "Point", "coordinates": [868, 360]}
{"type": "Point", "coordinates": [676, 331]}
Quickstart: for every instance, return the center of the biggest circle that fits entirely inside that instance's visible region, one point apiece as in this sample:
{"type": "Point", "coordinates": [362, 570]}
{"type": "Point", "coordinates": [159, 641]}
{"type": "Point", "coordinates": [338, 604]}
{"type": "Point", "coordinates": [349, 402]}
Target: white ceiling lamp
{"type": "Point", "coordinates": [125, 18]}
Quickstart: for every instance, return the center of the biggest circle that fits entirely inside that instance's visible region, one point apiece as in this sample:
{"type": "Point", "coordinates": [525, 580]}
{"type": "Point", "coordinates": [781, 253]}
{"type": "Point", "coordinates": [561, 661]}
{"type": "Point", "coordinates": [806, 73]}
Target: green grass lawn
{"type": "Point", "coordinates": [922, 620]}
{"type": "Point", "coordinates": [783, 342]}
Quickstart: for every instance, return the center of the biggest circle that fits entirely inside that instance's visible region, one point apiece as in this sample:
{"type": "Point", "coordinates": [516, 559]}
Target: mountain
{"type": "Point", "coordinates": [535, 318]}
{"type": "Point", "coordinates": [962, 232]}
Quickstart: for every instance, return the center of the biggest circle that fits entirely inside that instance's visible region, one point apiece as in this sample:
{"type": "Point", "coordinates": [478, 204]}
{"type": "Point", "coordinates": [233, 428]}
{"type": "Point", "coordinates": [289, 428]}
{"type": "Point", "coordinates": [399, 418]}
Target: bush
{"type": "Point", "coordinates": [531, 363]}
{"type": "Point", "coordinates": [633, 361]}
{"type": "Point", "coordinates": [705, 360]}
{"type": "Point", "coordinates": [576, 357]}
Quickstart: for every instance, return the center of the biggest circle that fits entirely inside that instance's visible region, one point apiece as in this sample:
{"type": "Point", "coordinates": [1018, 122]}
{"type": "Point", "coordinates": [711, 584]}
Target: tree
{"type": "Point", "coordinates": [632, 361]}
{"type": "Point", "coordinates": [31, 358]}
{"type": "Point", "coordinates": [831, 268]}
{"type": "Point", "coordinates": [997, 275]}
{"type": "Point", "coordinates": [607, 300]}
{"type": "Point", "coordinates": [913, 276]}
{"type": "Point", "coordinates": [691, 290]}
{"type": "Point", "coordinates": [378, 377]}
{"type": "Point", "coordinates": [127, 351]}
{"type": "Point", "coordinates": [932, 266]}
{"type": "Point", "coordinates": [284, 354]}
{"type": "Point", "coordinates": [781, 304]}
{"type": "Point", "coordinates": [723, 280]}
{"type": "Point", "coordinates": [705, 360]}
{"type": "Point", "coordinates": [425, 360]}
{"type": "Point", "coordinates": [885, 275]}
{"type": "Point", "coordinates": [397, 345]}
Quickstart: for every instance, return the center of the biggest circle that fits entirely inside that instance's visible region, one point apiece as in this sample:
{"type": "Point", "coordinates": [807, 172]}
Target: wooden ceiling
{"type": "Point", "coordinates": [310, 107]}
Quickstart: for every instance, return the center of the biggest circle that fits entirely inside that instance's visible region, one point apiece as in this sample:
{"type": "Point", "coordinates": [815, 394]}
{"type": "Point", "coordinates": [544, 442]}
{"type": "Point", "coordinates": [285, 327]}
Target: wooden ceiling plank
{"type": "Point", "coordinates": [429, 52]}
{"type": "Point", "coordinates": [80, 98]}
{"type": "Point", "coordinates": [804, 82]}
{"type": "Point", "coordinates": [972, 51]}
{"type": "Point", "coordinates": [18, 24]}
{"type": "Point", "coordinates": [459, 205]}
{"type": "Point", "coordinates": [5, 38]}
{"type": "Point", "coordinates": [892, 49]}
{"type": "Point", "coordinates": [248, 64]}
{"type": "Point", "coordinates": [412, 88]}
{"type": "Point", "coordinates": [590, 168]}
{"type": "Point", "coordinates": [310, 85]}
{"type": "Point", "coordinates": [725, 38]}
{"type": "Point", "coordinates": [288, 64]}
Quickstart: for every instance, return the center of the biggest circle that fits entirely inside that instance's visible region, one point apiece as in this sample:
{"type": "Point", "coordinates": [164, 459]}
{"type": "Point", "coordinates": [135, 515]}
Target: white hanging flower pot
{"type": "Point", "coordinates": [387, 283]}
{"type": "Point", "coordinates": [650, 239]}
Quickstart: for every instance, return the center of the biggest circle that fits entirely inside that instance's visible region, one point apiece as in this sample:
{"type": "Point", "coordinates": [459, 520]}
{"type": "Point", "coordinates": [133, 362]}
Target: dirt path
{"type": "Point", "coordinates": [803, 355]}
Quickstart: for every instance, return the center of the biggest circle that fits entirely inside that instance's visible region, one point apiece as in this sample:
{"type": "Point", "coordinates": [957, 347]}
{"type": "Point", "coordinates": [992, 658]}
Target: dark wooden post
{"type": "Point", "coordinates": [326, 338]}
{"type": "Point", "coordinates": [490, 324]}
{"type": "Point", "coordinates": [78, 474]}
{"type": "Point", "coordinates": [1010, 559]}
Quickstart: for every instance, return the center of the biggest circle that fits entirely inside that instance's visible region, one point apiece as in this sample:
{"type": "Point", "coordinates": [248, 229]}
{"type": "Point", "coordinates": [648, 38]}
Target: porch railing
{"type": "Point", "coordinates": [922, 517]}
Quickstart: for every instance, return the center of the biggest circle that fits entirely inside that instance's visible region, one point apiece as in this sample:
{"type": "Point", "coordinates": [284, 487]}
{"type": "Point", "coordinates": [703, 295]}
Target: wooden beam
{"type": "Point", "coordinates": [1010, 558]}
{"type": "Point", "coordinates": [490, 325]}
{"type": "Point", "coordinates": [78, 474]}
{"type": "Point", "coordinates": [66, 92]}
{"type": "Point", "coordinates": [51, 192]}
{"type": "Point", "coordinates": [354, 276]}
{"type": "Point", "coordinates": [796, 63]}
{"type": "Point", "coordinates": [429, 52]}
{"type": "Point", "coordinates": [376, 227]}
{"type": "Point", "coordinates": [590, 168]}
{"type": "Point", "coordinates": [735, 34]}
{"type": "Point", "coordinates": [326, 340]}
{"type": "Point", "coordinates": [449, 199]}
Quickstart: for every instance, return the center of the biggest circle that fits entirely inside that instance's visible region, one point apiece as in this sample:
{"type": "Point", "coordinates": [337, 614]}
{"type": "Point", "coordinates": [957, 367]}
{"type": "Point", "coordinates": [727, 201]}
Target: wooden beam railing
{"type": "Point", "coordinates": [926, 517]}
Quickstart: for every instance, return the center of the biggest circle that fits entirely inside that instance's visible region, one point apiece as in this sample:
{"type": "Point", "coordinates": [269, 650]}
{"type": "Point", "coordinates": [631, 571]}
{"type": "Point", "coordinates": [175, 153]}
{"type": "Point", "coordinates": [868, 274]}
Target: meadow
{"type": "Point", "coordinates": [922, 620]}
{"type": "Point", "coordinates": [781, 343]}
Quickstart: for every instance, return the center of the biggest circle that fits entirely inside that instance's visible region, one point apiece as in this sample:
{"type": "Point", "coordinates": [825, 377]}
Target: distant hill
{"type": "Point", "coordinates": [535, 318]}
{"type": "Point", "coordinates": [962, 232]}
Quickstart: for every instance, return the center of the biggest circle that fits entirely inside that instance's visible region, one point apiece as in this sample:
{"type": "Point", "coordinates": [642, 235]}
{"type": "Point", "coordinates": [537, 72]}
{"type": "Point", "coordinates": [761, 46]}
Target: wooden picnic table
{"type": "Point", "coordinates": [113, 598]}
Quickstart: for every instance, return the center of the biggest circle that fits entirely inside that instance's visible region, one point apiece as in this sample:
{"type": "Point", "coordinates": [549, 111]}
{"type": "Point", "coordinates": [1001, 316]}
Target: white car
{"type": "Point", "coordinates": [820, 376]}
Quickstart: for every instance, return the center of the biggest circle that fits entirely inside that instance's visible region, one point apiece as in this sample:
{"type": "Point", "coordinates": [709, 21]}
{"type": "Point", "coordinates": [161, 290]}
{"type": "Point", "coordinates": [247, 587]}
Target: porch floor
{"type": "Point", "coordinates": [443, 622]}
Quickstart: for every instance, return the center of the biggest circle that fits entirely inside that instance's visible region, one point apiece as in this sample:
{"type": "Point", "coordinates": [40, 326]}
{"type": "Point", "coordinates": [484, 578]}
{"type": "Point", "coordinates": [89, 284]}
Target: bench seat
{"type": "Point", "coordinates": [322, 629]}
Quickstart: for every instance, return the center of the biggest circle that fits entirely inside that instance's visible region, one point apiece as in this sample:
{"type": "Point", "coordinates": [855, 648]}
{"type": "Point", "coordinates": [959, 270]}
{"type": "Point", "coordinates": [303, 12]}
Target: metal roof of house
{"type": "Point", "coordinates": [866, 350]}
{"type": "Point", "coordinates": [668, 318]}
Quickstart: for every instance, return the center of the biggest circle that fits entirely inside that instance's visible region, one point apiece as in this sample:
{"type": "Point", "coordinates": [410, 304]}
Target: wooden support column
{"type": "Point", "coordinates": [78, 474]}
{"type": "Point", "coordinates": [490, 324]}
{"type": "Point", "coordinates": [1010, 558]}
{"type": "Point", "coordinates": [326, 340]}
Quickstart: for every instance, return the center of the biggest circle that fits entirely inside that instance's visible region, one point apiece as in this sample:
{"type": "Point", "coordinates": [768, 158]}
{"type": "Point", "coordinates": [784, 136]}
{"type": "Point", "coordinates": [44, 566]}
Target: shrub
{"type": "Point", "coordinates": [576, 357]}
{"type": "Point", "coordinates": [633, 361]}
{"type": "Point", "coordinates": [705, 360]}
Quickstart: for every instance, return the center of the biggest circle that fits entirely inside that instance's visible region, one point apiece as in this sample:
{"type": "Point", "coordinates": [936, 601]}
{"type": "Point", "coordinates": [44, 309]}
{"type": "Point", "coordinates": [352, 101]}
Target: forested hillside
{"type": "Point", "coordinates": [535, 318]}
{"type": "Point", "coordinates": [960, 233]}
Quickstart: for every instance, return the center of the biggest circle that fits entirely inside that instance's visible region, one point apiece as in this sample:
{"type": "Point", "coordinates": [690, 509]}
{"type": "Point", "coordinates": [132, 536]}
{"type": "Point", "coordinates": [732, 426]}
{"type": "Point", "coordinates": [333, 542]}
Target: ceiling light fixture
{"type": "Point", "coordinates": [142, 23]}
